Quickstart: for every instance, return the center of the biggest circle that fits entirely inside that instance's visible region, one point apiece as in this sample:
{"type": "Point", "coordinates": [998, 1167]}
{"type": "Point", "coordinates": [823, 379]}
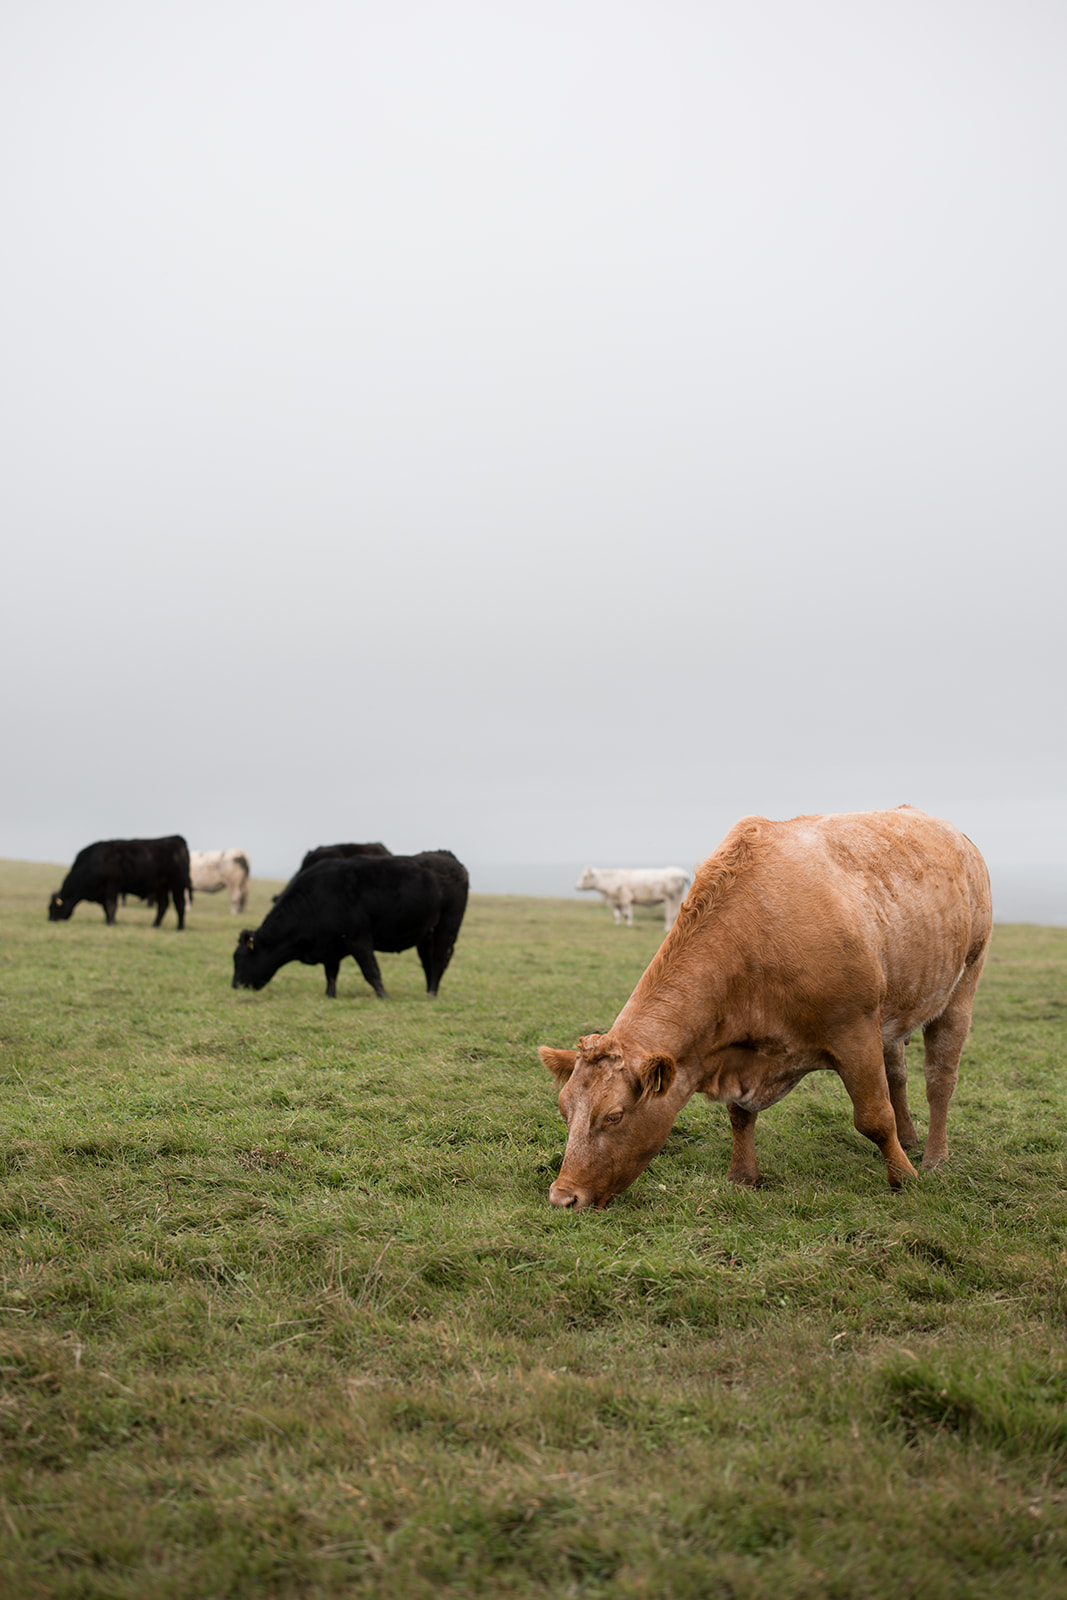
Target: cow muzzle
{"type": "Point", "coordinates": [574, 1197]}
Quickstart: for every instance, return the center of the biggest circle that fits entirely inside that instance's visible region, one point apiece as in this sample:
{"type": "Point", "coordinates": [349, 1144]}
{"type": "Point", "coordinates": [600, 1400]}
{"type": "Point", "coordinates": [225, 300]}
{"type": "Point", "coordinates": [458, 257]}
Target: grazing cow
{"type": "Point", "coordinates": [213, 870]}
{"type": "Point", "coordinates": [338, 852]}
{"type": "Point", "coordinates": [354, 907]}
{"type": "Point", "coordinates": [624, 887]}
{"type": "Point", "coordinates": [153, 869]}
{"type": "Point", "coordinates": [341, 852]}
{"type": "Point", "coordinates": [819, 943]}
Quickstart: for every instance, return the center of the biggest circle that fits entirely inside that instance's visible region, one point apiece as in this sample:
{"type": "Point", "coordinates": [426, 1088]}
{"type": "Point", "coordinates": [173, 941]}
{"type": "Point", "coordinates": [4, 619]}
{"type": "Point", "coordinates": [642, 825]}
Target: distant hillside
{"type": "Point", "coordinates": [1031, 893]}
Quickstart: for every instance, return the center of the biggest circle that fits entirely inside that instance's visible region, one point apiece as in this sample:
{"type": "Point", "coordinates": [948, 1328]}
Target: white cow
{"type": "Point", "coordinates": [212, 870]}
{"type": "Point", "coordinates": [624, 887]}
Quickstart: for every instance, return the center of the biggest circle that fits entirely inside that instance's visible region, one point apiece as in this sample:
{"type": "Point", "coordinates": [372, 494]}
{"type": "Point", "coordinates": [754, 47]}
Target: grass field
{"type": "Point", "coordinates": [284, 1310]}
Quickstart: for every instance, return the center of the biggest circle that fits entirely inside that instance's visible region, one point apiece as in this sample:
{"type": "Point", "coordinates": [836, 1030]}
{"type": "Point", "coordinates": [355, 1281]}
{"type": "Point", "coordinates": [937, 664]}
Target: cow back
{"type": "Point", "coordinates": [342, 852]}
{"type": "Point", "coordinates": [129, 866]}
{"type": "Point", "coordinates": [389, 900]}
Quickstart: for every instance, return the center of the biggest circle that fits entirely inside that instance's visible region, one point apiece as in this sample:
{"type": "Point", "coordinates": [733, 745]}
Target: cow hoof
{"type": "Point", "coordinates": [899, 1174]}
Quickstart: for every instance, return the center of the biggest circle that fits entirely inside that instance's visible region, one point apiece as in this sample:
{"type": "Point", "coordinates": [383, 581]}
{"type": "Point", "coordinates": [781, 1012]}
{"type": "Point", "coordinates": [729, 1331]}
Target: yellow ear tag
{"type": "Point", "coordinates": [251, 944]}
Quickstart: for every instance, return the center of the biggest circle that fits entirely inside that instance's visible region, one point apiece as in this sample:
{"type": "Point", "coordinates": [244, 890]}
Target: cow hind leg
{"type": "Point", "coordinates": [426, 956]}
{"type": "Point", "coordinates": [178, 896]}
{"type": "Point", "coordinates": [861, 1064]}
{"type": "Point", "coordinates": [440, 941]}
{"type": "Point", "coordinates": [162, 900]}
{"type": "Point", "coordinates": [363, 955]}
{"type": "Point", "coordinates": [943, 1041]}
{"type": "Point", "coordinates": [896, 1072]}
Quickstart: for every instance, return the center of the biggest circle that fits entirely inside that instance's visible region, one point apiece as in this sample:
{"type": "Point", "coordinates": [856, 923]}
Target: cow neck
{"type": "Point", "coordinates": [283, 948]}
{"type": "Point", "coordinates": [274, 946]}
{"type": "Point", "coordinates": [682, 1003]}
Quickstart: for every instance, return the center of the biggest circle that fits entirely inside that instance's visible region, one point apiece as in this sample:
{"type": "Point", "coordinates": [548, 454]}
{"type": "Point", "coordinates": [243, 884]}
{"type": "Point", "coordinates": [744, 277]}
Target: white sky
{"type": "Point", "coordinates": [545, 430]}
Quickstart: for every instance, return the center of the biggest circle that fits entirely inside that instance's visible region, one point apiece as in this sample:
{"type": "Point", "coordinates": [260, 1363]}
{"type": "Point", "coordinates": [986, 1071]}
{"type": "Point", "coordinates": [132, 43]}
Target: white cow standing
{"type": "Point", "coordinates": [212, 870]}
{"type": "Point", "coordinates": [624, 887]}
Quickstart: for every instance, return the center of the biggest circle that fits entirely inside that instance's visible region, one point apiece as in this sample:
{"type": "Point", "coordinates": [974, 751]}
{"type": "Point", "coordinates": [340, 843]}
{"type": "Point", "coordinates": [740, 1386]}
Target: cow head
{"type": "Point", "coordinates": [57, 911]}
{"type": "Point", "coordinates": [616, 1103]}
{"type": "Point", "coordinates": [587, 880]}
{"type": "Point", "coordinates": [244, 962]}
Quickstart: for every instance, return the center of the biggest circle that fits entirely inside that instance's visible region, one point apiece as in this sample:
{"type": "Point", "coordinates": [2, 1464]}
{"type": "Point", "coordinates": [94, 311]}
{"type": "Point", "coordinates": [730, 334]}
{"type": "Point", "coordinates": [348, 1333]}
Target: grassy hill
{"type": "Point", "coordinates": [284, 1310]}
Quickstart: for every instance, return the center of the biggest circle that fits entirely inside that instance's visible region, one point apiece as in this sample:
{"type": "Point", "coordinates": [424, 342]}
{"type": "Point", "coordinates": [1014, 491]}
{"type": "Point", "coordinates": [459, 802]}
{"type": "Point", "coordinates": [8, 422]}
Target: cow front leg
{"type": "Point", "coordinates": [861, 1064]}
{"type": "Point", "coordinates": [332, 969]}
{"type": "Point", "coordinates": [743, 1168]}
{"type": "Point", "coordinates": [111, 905]}
{"type": "Point", "coordinates": [628, 909]}
{"type": "Point", "coordinates": [365, 960]}
{"type": "Point", "coordinates": [896, 1073]}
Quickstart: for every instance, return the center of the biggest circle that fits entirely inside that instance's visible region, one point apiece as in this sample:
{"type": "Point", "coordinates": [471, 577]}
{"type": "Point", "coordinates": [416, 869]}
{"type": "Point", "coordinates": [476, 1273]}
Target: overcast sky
{"type": "Point", "coordinates": [546, 430]}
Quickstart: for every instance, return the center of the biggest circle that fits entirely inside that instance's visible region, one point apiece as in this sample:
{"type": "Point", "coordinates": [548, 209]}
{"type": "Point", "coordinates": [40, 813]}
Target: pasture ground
{"type": "Point", "coordinates": [284, 1310]}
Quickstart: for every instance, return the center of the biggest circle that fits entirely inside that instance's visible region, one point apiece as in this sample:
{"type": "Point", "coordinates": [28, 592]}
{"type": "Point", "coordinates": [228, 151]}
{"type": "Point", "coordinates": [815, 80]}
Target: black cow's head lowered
{"type": "Point", "coordinates": [57, 911]}
{"type": "Point", "coordinates": [244, 962]}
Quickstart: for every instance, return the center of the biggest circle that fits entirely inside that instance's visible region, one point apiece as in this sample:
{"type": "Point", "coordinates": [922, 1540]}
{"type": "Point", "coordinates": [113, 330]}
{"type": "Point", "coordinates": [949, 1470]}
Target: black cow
{"type": "Point", "coordinates": [344, 908]}
{"type": "Point", "coordinates": [341, 852]}
{"type": "Point", "coordinates": [153, 869]}
{"type": "Point", "coordinates": [336, 852]}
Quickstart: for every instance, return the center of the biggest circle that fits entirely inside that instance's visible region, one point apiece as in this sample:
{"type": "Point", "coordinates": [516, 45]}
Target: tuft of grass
{"type": "Point", "coordinates": [284, 1310]}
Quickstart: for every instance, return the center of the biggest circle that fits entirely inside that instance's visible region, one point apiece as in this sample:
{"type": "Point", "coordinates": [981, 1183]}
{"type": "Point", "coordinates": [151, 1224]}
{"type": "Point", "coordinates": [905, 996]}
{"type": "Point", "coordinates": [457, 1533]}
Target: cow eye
{"type": "Point", "coordinates": [612, 1118]}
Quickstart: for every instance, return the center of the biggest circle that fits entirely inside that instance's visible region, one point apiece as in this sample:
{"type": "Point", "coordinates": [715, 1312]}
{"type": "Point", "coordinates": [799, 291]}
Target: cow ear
{"type": "Point", "coordinates": [657, 1074]}
{"type": "Point", "coordinates": [559, 1062]}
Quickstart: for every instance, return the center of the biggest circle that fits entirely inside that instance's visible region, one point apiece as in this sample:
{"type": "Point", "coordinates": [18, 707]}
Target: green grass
{"type": "Point", "coordinates": [284, 1310]}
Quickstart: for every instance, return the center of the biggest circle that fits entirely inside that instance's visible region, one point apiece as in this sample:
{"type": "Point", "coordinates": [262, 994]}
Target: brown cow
{"type": "Point", "coordinates": [819, 943]}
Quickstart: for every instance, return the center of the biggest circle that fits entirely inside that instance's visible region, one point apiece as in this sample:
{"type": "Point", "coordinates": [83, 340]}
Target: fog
{"type": "Point", "coordinates": [550, 432]}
